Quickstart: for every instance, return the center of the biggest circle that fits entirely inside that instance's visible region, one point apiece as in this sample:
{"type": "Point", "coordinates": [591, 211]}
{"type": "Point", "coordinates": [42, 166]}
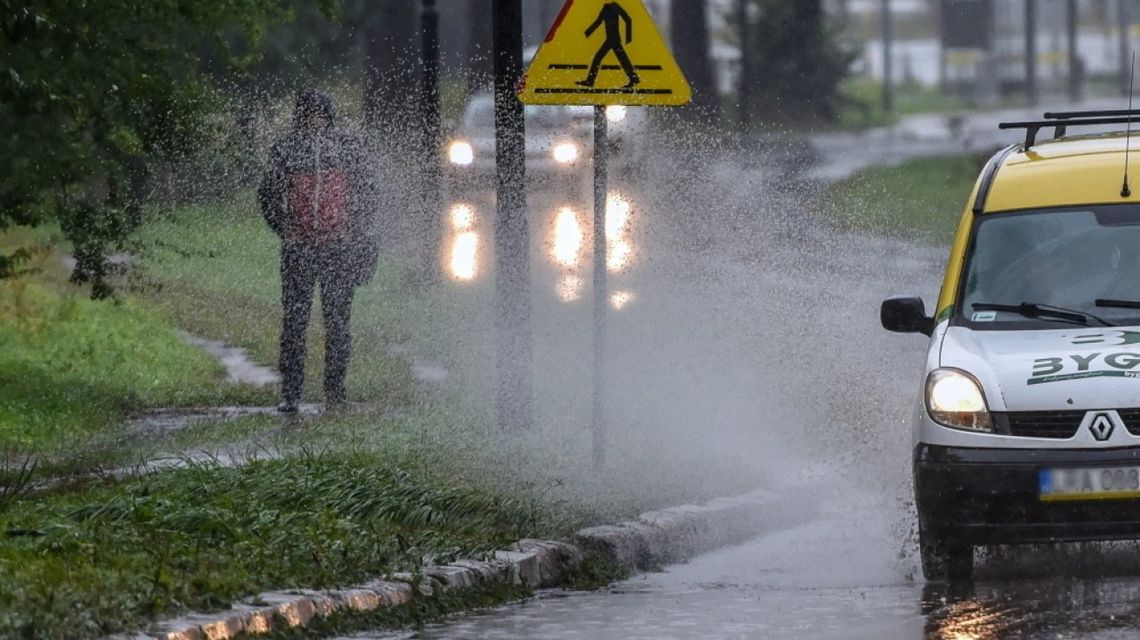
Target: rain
{"type": "Point", "coordinates": [750, 236]}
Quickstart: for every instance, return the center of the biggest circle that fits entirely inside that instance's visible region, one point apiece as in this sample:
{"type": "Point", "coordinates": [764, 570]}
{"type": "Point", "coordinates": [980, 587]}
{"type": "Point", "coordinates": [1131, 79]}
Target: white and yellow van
{"type": "Point", "coordinates": [1028, 424]}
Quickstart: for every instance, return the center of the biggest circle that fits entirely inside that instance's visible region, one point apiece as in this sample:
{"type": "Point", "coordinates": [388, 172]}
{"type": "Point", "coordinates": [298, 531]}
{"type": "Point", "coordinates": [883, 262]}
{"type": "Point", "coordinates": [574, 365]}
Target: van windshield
{"type": "Point", "coordinates": [1086, 261]}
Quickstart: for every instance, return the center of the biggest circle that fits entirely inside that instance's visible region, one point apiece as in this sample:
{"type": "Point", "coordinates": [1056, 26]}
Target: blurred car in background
{"type": "Point", "coordinates": [559, 143]}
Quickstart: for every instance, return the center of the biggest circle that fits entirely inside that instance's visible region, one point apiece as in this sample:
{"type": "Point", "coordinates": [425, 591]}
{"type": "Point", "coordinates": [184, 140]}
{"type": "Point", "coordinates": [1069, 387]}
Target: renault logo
{"type": "Point", "coordinates": [1101, 427]}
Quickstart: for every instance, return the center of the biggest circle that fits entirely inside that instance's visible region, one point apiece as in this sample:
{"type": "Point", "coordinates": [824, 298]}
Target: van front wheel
{"type": "Point", "coordinates": [945, 559]}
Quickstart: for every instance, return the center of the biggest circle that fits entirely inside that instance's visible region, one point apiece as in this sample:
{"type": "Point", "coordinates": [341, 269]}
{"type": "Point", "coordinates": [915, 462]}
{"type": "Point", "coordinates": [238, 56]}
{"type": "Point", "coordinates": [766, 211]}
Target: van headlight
{"type": "Point", "coordinates": [565, 153]}
{"type": "Point", "coordinates": [955, 399]}
{"type": "Point", "coordinates": [461, 153]}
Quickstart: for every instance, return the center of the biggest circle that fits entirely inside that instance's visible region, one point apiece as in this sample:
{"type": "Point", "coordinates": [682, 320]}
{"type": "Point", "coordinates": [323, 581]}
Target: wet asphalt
{"type": "Point", "coordinates": [787, 309]}
{"type": "Point", "coordinates": [837, 575]}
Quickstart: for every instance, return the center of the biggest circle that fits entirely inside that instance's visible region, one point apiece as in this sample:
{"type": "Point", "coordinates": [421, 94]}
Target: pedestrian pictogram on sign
{"type": "Point", "coordinates": [612, 15]}
{"type": "Point", "coordinates": [603, 52]}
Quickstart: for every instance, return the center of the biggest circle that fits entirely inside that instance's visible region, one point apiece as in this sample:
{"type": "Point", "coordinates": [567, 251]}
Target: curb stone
{"type": "Point", "coordinates": [676, 534]}
{"type": "Point", "coordinates": [654, 539]}
{"type": "Point", "coordinates": [540, 563]}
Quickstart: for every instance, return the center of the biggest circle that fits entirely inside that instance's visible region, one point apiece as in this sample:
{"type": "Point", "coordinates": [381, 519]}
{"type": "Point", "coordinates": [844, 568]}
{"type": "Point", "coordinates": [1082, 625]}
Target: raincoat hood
{"type": "Point", "coordinates": [313, 103]}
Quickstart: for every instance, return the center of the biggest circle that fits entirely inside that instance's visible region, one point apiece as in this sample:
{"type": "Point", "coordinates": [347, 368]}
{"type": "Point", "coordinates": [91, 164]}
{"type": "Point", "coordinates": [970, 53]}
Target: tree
{"type": "Point", "coordinates": [796, 65]}
{"type": "Point", "coordinates": [391, 61]}
{"type": "Point", "coordinates": [688, 24]}
{"type": "Point", "coordinates": [90, 92]}
{"type": "Point", "coordinates": [479, 65]}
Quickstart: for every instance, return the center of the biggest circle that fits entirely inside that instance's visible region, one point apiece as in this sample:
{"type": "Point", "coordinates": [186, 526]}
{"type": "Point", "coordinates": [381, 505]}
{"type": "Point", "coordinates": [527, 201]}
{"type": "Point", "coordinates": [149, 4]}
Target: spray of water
{"type": "Point", "coordinates": [744, 348]}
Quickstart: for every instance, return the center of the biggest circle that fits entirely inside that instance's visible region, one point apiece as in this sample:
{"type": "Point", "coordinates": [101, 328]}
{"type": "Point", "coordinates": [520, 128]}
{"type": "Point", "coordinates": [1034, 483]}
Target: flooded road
{"type": "Point", "coordinates": [753, 336]}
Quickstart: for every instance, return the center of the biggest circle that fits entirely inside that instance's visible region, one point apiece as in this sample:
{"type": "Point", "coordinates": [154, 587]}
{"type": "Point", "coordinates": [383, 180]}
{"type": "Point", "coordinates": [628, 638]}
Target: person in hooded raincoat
{"type": "Point", "coordinates": [315, 195]}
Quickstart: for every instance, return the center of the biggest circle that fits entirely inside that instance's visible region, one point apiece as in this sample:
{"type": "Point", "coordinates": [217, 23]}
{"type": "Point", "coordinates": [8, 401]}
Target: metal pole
{"type": "Point", "coordinates": [601, 151]}
{"type": "Point", "coordinates": [514, 398]}
{"type": "Point", "coordinates": [888, 70]}
{"type": "Point", "coordinates": [429, 96]}
{"type": "Point", "coordinates": [1031, 51]}
{"type": "Point", "coordinates": [1075, 73]}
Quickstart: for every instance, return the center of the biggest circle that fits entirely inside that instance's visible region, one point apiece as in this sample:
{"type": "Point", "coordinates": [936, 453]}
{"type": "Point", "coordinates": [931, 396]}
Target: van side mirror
{"type": "Point", "coordinates": [905, 314]}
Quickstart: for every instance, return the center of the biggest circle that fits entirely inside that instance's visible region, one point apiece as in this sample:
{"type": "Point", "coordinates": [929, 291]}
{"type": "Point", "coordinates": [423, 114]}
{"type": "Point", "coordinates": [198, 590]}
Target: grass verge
{"type": "Point", "coordinates": [865, 103]}
{"type": "Point", "coordinates": [214, 271]}
{"type": "Point", "coordinates": [100, 561]}
{"type": "Point", "coordinates": [102, 555]}
{"type": "Point", "coordinates": [72, 368]}
{"type": "Point", "coordinates": [920, 199]}
{"type": "Point", "coordinates": [388, 489]}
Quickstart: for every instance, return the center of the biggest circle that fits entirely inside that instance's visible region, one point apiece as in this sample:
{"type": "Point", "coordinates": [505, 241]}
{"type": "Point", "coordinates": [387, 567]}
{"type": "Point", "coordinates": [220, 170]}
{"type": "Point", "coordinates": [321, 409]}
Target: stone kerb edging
{"type": "Point", "coordinates": [539, 563]}
{"type": "Point", "coordinates": [656, 538]}
{"type": "Point", "coordinates": [677, 534]}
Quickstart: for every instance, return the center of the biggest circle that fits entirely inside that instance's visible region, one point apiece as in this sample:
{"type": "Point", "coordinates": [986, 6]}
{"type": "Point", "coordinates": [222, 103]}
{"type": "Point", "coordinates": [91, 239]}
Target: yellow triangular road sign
{"type": "Point", "coordinates": [602, 52]}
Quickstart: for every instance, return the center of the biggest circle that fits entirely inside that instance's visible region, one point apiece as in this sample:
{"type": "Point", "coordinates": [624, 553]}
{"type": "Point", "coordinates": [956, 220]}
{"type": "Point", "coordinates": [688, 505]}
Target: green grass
{"type": "Point", "coordinates": [920, 199]}
{"type": "Point", "coordinates": [412, 473]}
{"type": "Point", "coordinates": [214, 271]}
{"type": "Point", "coordinates": [866, 103]}
{"type": "Point", "coordinates": [86, 564]}
{"type": "Point", "coordinates": [356, 496]}
{"type": "Point", "coordinates": [94, 555]}
{"type": "Point", "coordinates": [71, 368]}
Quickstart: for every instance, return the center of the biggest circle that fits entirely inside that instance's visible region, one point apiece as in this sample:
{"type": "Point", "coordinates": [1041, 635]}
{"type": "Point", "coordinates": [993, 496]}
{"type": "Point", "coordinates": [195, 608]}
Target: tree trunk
{"type": "Point", "coordinates": [392, 69]}
{"type": "Point", "coordinates": [479, 63]}
{"type": "Point", "coordinates": [538, 15]}
{"type": "Point", "coordinates": [394, 129]}
{"type": "Point", "coordinates": [811, 15]}
{"type": "Point", "coordinates": [688, 23]}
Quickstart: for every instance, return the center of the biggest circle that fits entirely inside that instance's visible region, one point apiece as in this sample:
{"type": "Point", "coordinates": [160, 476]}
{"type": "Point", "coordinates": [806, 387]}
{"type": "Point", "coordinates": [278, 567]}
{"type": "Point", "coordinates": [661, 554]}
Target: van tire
{"type": "Point", "coordinates": [945, 559]}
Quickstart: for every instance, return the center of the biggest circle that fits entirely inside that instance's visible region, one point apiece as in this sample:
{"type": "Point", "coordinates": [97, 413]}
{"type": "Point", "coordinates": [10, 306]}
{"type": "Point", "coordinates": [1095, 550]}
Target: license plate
{"type": "Point", "coordinates": [1089, 483]}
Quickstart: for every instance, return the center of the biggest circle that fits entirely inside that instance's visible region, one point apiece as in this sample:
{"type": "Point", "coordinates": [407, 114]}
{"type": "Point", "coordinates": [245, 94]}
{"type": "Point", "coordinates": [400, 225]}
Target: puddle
{"type": "Point", "coordinates": [230, 456]}
{"type": "Point", "coordinates": [422, 370]}
{"type": "Point", "coordinates": [160, 422]}
{"type": "Point", "coordinates": [116, 259]}
{"type": "Point", "coordinates": [240, 368]}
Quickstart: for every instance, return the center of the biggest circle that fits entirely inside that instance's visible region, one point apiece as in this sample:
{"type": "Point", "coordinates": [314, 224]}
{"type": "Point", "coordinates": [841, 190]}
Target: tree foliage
{"type": "Point", "coordinates": [90, 90]}
{"type": "Point", "coordinates": [689, 28]}
{"type": "Point", "coordinates": [797, 65]}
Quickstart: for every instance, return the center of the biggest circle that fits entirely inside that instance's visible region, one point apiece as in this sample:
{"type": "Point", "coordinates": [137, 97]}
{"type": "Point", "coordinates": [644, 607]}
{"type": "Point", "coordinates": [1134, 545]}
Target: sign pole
{"type": "Point", "coordinates": [601, 151]}
{"type": "Point", "coordinates": [581, 63]}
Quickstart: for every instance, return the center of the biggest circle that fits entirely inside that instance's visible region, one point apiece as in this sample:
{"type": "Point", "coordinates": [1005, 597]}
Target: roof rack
{"type": "Point", "coordinates": [1062, 120]}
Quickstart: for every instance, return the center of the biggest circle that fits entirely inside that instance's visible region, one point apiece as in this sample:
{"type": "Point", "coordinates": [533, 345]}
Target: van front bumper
{"type": "Point", "coordinates": [991, 496]}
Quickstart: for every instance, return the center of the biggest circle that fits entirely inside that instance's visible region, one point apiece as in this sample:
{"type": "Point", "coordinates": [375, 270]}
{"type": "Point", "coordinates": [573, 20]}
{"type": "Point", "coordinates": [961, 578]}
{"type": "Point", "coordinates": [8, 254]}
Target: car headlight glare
{"type": "Point", "coordinates": [565, 153]}
{"type": "Point", "coordinates": [461, 153]}
{"type": "Point", "coordinates": [954, 399]}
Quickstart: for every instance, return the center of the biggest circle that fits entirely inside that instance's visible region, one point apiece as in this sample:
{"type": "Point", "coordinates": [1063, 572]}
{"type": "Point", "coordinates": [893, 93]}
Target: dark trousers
{"type": "Point", "coordinates": [303, 266]}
